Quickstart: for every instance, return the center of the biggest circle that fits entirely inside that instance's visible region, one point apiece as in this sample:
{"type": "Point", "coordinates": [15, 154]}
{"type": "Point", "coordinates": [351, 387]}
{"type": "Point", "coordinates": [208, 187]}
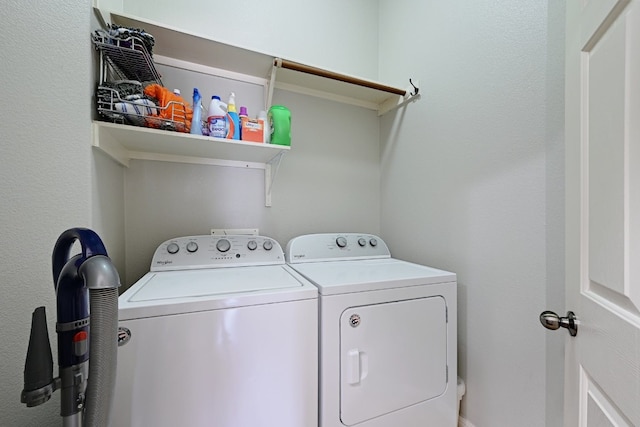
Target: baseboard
{"type": "Point", "coordinates": [464, 423]}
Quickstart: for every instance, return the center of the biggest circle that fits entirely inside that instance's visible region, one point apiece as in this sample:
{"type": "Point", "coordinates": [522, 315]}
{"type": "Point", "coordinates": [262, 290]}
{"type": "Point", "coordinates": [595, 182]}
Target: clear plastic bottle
{"type": "Point", "coordinates": [266, 130]}
{"type": "Point", "coordinates": [196, 120]}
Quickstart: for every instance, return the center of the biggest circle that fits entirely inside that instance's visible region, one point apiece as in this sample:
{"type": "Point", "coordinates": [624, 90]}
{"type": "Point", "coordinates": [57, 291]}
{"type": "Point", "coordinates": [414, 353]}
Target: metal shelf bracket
{"type": "Point", "coordinates": [270, 172]}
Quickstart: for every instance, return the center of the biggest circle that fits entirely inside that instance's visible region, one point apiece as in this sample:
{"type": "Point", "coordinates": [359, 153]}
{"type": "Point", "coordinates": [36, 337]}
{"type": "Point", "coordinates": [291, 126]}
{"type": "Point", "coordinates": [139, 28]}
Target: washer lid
{"type": "Point", "coordinates": [174, 292]}
{"type": "Point", "coordinates": [339, 277]}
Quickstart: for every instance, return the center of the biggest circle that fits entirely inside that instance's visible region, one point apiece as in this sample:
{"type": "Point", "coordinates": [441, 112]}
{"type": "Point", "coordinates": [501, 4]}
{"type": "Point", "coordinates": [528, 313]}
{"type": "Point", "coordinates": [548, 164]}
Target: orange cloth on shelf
{"type": "Point", "coordinates": [172, 107]}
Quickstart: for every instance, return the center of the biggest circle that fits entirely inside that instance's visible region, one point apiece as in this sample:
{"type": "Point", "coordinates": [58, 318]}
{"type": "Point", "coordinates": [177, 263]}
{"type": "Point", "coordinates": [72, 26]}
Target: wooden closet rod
{"type": "Point", "coordinates": [283, 63]}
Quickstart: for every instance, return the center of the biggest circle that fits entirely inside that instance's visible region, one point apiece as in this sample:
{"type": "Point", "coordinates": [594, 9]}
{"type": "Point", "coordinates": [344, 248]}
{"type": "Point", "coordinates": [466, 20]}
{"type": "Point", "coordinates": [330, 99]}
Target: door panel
{"type": "Point", "coordinates": [600, 411]}
{"type": "Point", "coordinates": [393, 355]}
{"type": "Point", "coordinates": [604, 68]}
{"type": "Point", "coordinates": [596, 16]}
{"type": "Point", "coordinates": [610, 355]}
{"type": "Point", "coordinates": [603, 201]}
{"type": "Point", "coordinates": [596, 416]}
{"type": "Point", "coordinates": [632, 165]}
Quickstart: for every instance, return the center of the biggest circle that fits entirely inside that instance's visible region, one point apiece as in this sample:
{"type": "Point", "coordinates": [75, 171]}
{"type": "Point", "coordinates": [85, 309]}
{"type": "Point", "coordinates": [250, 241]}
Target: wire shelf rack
{"type": "Point", "coordinates": [139, 111]}
{"type": "Point", "coordinates": [127, 58]}
{"type": "Point", "coordinates": [126, 67]}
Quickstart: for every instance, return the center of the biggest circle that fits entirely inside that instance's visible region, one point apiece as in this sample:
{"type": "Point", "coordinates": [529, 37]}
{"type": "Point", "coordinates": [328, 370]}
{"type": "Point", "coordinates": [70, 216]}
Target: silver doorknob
{"type": "Point", "coordinates": [552, 321]}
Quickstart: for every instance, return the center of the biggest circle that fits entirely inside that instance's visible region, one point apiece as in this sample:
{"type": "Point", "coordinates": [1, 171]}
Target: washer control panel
{"type": "Point", "coordinates": [194, 252]}
{"type": "Point", "coordinates": [329, 246]}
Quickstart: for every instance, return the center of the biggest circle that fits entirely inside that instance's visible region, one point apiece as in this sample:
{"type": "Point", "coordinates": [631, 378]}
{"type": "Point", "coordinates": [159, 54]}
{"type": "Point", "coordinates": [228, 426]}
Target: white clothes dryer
{"type": "Point", "coordinates": [221, 332]}
{"type": "Point", "coordinates": [388, 333]}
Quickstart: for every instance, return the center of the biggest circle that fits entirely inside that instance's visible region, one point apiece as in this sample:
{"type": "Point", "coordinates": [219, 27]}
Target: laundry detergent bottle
{"type": "Point", "coordinates": [280, 122]}
{"type": "Point", "coordinates": [243, 115]}
{"type": "Point", "coordinates": [233, 120]}
{"type": "Point", "coordinates": [216, 120]}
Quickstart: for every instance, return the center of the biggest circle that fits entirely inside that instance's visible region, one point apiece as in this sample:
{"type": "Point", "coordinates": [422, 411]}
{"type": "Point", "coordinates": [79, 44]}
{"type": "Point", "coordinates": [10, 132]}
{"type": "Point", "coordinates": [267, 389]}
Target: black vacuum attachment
{"type": "Point", "coordinates": [38, 370]}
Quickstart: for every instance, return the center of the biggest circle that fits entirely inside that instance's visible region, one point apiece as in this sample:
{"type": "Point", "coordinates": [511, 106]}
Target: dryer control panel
{"type": "Point", "coordinates": [195, 252]}
{"type": "Point", "coordinates": [338, 246]}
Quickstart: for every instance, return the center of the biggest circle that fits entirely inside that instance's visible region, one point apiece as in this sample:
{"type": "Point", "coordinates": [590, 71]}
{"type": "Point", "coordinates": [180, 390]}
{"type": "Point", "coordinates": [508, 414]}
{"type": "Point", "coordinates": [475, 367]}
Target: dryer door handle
{"type": "Point", "coordinates": [353, 366]}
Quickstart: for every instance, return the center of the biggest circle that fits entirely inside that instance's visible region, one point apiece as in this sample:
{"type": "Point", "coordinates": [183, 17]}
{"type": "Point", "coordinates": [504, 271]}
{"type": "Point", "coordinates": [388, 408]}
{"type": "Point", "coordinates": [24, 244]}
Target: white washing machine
{"type": "Point", "coordinates": [221, 332]}
{"type": "Point", "coordinates": [388, 333]}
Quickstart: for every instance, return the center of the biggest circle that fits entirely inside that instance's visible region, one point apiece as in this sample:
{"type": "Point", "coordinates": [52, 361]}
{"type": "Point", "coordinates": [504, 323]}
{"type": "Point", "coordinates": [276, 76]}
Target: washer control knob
{"type": "Point", "coordinates": [192, 247]}
{"type": "Point", "coordinates": [173, 248]}
{"type": "Point", "coordinates": [223, 245]}
{"type": "Point", "coordinates": [373, 242]}
{"type": "Point", "coordinates": [362, 242]}
{"type": "Point", "coordinates": [341, 242]}
{"type": "Point", "coordinates": [252, 245]}
{"type": "Point", "coordinates": [267, 245]}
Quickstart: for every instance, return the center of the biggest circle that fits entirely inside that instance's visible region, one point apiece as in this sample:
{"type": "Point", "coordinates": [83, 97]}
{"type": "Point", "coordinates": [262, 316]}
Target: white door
{"type": "Point", "coordinates": [602, 384]}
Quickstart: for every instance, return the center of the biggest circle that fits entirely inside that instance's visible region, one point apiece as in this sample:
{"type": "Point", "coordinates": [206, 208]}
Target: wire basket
{"type": "Point", "coordinates": [136, 109]}
{"type": "Point", "coordinates": [126, 67]}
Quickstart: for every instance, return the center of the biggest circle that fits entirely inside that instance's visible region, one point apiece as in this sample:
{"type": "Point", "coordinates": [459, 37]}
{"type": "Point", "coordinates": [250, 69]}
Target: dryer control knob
{"type": "Point", "coordinates": [192, 247]}
{"type": "Point", "coordinates": [173, 248]}
{"type": "Point", "coordinates": [252, 245]}
{"type": "Point", "coordinates": [223, 245]}
{"type": "Point", "coordinates": [267, 245]}
{"type": "Point", "coordinates": [373, 242]}
{"type": "Point", "coordinates": [362, 242]}
{"type": "Point", "coordinates": [341, 242]}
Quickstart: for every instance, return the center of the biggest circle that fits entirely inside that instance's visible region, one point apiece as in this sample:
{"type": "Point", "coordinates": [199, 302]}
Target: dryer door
{"type": "Point", "coordinates": [393, 355]}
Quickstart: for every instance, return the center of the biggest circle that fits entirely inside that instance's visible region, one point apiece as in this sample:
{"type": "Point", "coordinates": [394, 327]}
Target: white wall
{"type": "Point", "coordinates": [466, 185]}
{"type": "Point", "coordinates": [474, 168]}
{"type": "Point", "coordinates": [334, 34]}
{"type": "Point", "coordinates": [555, 283]}
{"type": "Point", "coordinates": [329, 181]}
{"type": "Point", "coordinates": [45, 173]}
{"type": "Point", "coordinates": [108, 208]}
{"type": "Point", "coordinates": [107, 188]}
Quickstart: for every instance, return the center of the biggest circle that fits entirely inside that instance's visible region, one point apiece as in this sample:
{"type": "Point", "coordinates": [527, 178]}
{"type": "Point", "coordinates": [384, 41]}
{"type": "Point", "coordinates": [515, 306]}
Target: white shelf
{"type": "Point", "coordinates": [204, 53]}
{"type": "Point", "coordinates": [123, 143]}
{"type": "Point", "coordinates": [182, 49]}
